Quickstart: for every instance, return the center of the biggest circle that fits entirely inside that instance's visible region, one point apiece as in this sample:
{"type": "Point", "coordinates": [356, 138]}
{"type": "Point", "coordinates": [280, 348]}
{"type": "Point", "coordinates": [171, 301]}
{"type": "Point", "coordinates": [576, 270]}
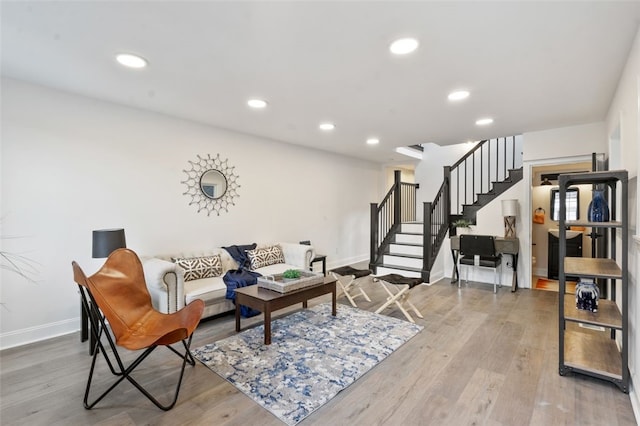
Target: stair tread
{"type": "Point", "coordinates": [410, 256]}
{"type": "Point", "coordinates": [404, 268]}
{"type": "Point", "coordinates": [407, 244]}
{"type": "Point", "coordinates": [409, 233]}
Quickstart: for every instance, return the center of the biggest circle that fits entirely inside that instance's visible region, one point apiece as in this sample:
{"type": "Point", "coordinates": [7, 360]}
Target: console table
{"type": "Point", "coordinates": [504, 245]}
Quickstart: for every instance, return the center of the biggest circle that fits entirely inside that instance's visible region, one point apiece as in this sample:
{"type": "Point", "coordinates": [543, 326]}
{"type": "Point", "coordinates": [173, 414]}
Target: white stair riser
{"type": "Point", "coordinates": [385, 271]}
{"type": "Point", "coordinates": [402, 249]}
{"type": "Point", "coordinates": [411, 239]}
{"type": "Point", "coordinates": [412, 228]}
{"type": "Point", "coordinates": [401, 261]}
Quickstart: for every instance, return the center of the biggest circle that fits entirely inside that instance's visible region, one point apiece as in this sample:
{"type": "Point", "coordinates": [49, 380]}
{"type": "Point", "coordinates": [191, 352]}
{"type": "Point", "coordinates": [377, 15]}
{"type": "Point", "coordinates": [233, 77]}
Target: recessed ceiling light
{"type": "Point", "coordinates": [131, 61]}
{"type": "Point", "coordinates": [403, 46]}
{"type": "Point", "coordinates": [327, 126]}
{"type": "Point", "coordinates": [484, 121]}
{"type": "Point", "coordinates": [257, 103]}
{"type": "Point", "coordinates": [458, 95]}
{"type": "Point", "coordinates": [373, 141]}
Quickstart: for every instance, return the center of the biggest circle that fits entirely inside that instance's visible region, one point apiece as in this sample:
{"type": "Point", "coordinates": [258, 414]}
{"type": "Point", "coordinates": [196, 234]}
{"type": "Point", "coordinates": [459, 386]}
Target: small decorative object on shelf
{"type": "Point", "coordinates": [598, 210]}
{"type": "Point", "coordinates": [290, 275]}
{"type": "Point", "coordinates": [587, 295]}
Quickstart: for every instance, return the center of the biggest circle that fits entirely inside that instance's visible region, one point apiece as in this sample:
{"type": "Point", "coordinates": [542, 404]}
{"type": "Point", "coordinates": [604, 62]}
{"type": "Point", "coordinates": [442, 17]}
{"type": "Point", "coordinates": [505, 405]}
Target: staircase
{"type": "Point", "coordinates": [400, 245]}
{"type": "Point", "coordinates": [469, 211]}
{"type": "Point", "coordinates": [404, 255]}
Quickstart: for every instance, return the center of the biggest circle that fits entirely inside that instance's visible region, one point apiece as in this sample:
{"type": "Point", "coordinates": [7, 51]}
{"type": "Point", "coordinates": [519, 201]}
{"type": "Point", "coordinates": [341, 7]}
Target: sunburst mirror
{"type": "Point", "coordinates": [211, 184]}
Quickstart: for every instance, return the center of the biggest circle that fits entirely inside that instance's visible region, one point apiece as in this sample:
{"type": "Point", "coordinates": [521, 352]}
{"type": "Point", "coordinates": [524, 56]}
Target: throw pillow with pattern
{"type": "Point", "coordinates": [196, 268]}
{"type": "Point", "coordinates": [259, 258]}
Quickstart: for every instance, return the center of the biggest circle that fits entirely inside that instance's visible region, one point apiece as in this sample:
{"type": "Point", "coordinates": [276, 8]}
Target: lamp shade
{"type": "Point", "coordinates": [509, 208]}
{"type": "Point", "coordinates": [107, 240]}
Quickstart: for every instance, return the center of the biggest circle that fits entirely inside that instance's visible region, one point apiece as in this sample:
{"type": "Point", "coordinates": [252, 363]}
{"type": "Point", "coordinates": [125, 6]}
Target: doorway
{"type": "Point", "coordinates": [544, 236]}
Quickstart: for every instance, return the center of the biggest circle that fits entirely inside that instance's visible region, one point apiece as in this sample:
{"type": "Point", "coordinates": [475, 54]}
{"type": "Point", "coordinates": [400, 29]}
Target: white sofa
{"type": "Point", "coordinates": [170, 292]}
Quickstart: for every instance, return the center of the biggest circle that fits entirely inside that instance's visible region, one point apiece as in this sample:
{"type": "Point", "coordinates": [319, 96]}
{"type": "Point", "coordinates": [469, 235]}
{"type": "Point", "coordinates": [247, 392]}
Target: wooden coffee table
{"type": "Point", "coordinates": [267, 301]}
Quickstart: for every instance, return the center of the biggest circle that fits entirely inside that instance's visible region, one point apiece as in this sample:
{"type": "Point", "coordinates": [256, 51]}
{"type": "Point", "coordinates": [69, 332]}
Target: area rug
{"type": "Point", "coordinates": [553, 285]}
{"type": "Point", "coordinates": [312, 357]}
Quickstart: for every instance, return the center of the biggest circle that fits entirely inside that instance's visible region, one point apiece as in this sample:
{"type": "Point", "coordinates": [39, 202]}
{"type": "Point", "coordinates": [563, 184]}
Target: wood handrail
{"type": "Point", "coordinates": [469, 154]}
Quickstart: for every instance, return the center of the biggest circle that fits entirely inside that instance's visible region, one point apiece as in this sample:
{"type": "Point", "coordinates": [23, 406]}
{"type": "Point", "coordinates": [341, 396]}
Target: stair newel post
{"type": "Point", "coordinates": [513, 152]}
{"type": "Point", "coordinates": [426, 241]}
{"type": "Point", "coordinates": [397, 198]}
{"type": "Point", "coordinates": [447, 196]}
{"type": "Point", "coordinates": [374, 237]}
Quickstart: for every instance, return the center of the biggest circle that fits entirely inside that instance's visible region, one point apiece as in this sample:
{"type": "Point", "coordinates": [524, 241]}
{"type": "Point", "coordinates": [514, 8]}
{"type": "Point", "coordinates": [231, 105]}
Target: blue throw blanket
{"type": "Point", "coordinates": [239, 254]}
{"type": "Point", "coordinates": [241, 277]}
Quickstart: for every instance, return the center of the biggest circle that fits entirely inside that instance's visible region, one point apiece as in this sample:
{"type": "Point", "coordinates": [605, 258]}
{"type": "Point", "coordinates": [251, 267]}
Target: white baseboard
{"type": "Point", "coordinates": [435, 276]}
{"type": "Point", "coordinates": [35, 334]}
{"type": "Point", "coordinates": [348, 261]}
{"type": "Point", "coordinates": [635, 402]}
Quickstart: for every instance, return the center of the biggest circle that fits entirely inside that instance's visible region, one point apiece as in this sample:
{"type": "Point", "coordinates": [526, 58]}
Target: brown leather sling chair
{"type": "Point", "coordinates": [120, 293]}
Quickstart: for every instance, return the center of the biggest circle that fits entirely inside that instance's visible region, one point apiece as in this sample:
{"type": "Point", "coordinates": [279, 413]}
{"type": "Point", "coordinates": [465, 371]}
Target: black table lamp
{"type": "Point", "coordinates": [107, 240]}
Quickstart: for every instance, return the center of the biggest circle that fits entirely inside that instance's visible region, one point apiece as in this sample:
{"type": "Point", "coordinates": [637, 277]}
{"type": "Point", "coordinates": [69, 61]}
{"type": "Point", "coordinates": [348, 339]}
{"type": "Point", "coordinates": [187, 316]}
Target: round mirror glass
{"type": "Point", "coordinates": [213, 184]}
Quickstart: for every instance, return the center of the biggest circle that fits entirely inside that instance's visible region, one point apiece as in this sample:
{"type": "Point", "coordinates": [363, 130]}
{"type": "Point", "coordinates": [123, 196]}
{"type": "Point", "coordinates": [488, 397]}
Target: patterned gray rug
{"type": "Point", "coordinates": [312, 357]}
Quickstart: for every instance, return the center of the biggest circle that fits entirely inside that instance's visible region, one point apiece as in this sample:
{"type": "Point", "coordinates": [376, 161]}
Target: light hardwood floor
{"type": "Point", "coordinates": [482, 359]}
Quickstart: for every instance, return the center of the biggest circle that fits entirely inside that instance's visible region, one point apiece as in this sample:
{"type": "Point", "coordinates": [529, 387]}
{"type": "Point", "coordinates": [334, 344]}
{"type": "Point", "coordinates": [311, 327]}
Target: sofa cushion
{"type": "Point", "coordinates": [265, 256]}
{"type": "Point", "coordinates": [207, 289]}
{"type": "Point", "coordinates": [196, 268]}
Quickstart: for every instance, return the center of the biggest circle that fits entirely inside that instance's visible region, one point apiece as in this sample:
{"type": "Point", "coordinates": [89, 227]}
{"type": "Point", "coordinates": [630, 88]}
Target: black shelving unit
{"type": "Point", "coordinates": [596, 343]}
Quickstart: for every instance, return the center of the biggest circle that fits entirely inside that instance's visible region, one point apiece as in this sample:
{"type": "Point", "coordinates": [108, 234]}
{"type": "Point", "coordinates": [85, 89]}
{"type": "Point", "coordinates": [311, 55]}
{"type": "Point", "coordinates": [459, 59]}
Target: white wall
{"type": "Point", "coordinates": [72, 164]}
{"type": "Point", "coordinates": [623, 129]}
{"type": "Point", "coordinates": [429, 174]}
{"type": "Point", "coordinates": [564, 142]}
{"type": "Point", "coordinates": [430, 170]}
{"type": "Point", "coordinates": [407, 175]}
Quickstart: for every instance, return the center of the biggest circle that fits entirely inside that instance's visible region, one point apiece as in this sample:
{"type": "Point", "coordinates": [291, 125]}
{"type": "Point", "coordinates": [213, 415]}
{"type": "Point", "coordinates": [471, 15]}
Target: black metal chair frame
{"type": "Point", "coordinates": [98, 327]}
{"type": "Point", "coordinates": [480, 250]}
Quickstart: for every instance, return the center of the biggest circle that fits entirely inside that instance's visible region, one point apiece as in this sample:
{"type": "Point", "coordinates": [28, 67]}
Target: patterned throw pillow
{"type": "Point", "coordinates": [196, 268]}
{"type": "Point", "coordinates": [265, 256]}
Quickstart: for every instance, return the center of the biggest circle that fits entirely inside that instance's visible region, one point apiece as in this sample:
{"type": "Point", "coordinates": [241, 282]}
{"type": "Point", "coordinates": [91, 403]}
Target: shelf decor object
{"type": "Point", "coordinates": [509, 212]}
{"type": "Point", "coordinates": [596, 344]}
{"type": "Point", "coordinates": [587, 295]}
{"type": "Point", "coordinates": [598, 210]}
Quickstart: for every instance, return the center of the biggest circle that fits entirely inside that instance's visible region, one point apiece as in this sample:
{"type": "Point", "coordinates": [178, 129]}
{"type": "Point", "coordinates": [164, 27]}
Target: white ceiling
{"type": "Point", "coordinates": [531, 66]}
